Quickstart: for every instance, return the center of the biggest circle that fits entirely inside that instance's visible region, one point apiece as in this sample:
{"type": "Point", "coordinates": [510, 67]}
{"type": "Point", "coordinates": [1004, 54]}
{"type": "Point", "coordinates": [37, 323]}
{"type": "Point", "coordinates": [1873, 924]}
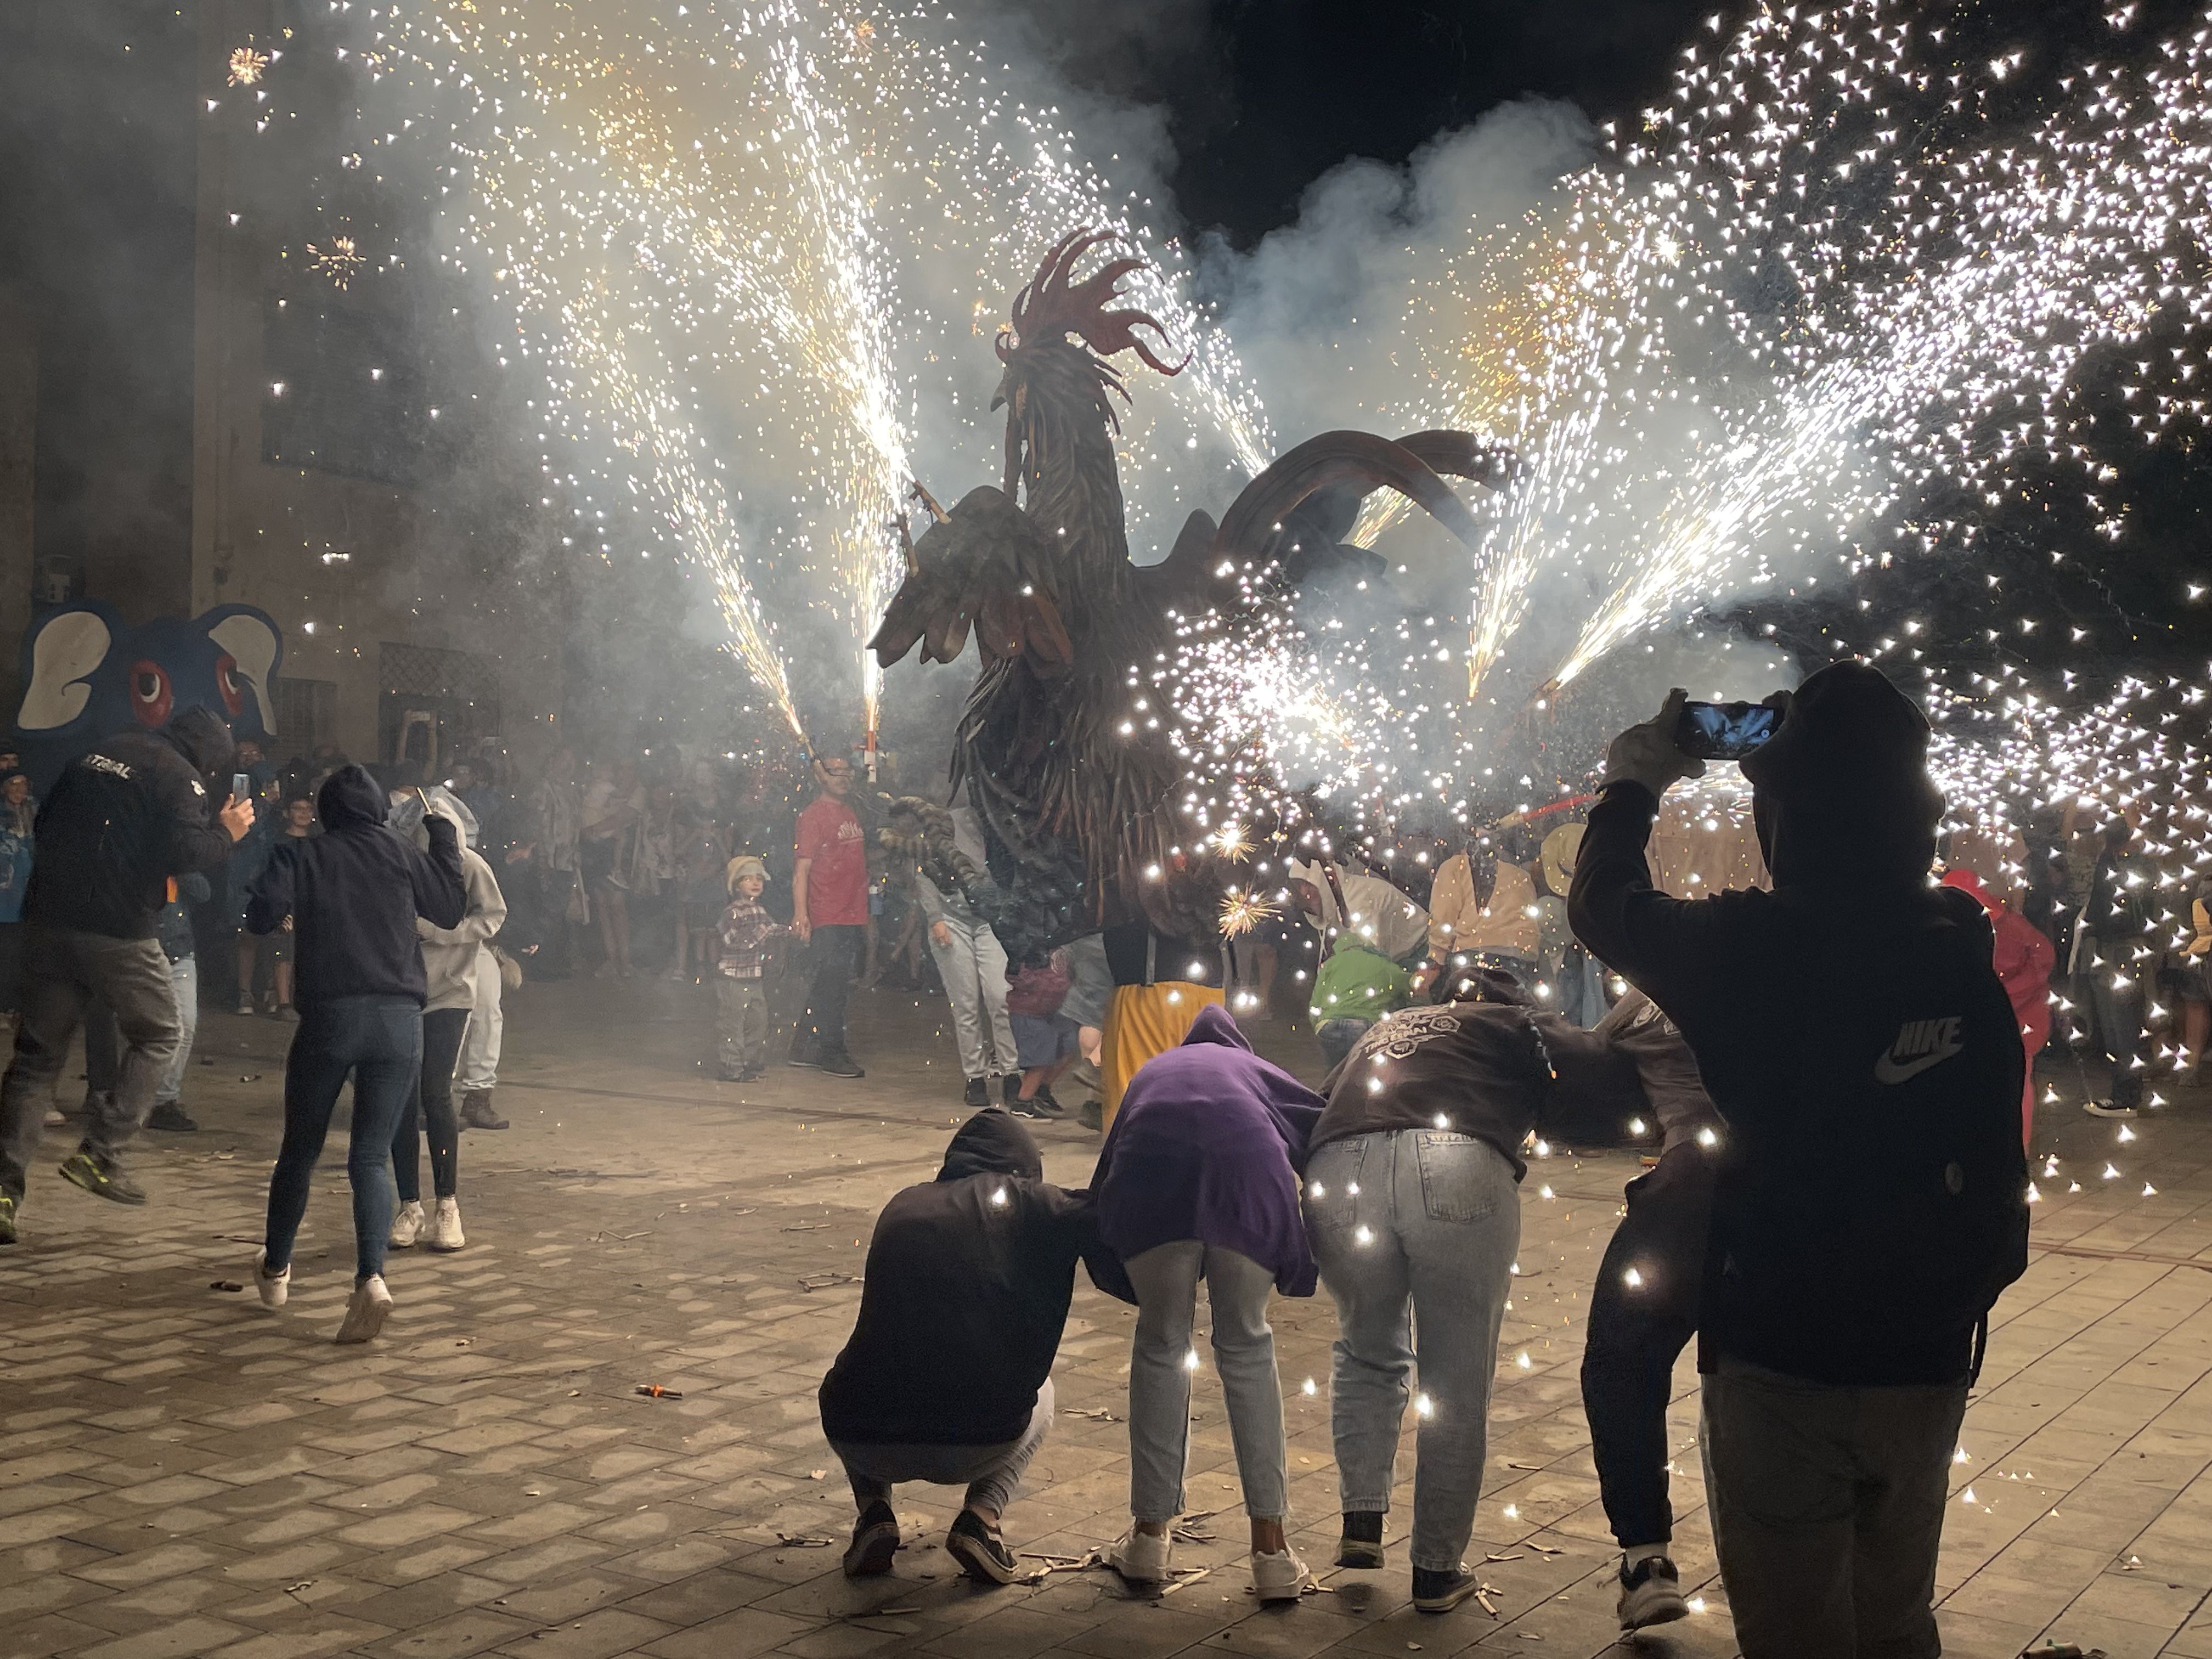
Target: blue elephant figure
{"type": "Point", "coordinates": [87, 674]}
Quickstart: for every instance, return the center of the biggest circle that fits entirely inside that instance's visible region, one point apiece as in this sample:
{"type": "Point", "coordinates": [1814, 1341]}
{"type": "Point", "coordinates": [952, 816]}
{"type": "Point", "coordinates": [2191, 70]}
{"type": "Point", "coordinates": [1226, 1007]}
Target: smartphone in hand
{"type": "Point", "coordinates": [1724, 731]}
{"type": "Point", "coordinates": [241, 786]}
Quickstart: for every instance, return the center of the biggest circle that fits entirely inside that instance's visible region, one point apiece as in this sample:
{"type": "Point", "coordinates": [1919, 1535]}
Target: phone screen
{"type": "Point", "coordinates": [1724, 731]}
{"type": "Point", "coordinates": [241, 786]}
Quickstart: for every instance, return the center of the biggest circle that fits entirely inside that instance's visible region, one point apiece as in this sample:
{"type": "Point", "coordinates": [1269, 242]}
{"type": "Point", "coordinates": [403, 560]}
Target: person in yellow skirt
{"type": "Point", "coordinates": [1159, 985]}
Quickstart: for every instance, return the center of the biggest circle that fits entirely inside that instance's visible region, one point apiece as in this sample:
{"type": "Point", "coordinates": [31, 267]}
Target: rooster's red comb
{"type": "Point", "coordinates": [1054, 305]}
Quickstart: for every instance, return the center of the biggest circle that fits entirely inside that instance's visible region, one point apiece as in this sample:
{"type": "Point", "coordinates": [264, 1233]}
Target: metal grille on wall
{"type": "Point", "coordinates": [306, 713]}
{"type": "Point", "coordinates": [423, 670]}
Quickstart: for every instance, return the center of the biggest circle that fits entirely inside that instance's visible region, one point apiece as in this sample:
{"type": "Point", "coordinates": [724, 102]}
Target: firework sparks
{"type": "Point", "coordinates": [340, 261]}
{"type": "Point", "coordinates": [247, 66]}
{"type": "Point", "coordinates": [1243, 911]}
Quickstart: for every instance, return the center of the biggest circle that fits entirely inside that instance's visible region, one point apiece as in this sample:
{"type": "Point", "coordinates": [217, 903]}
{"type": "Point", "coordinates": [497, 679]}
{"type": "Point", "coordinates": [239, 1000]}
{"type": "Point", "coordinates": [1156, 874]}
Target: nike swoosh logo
{"type": "Point", "coordinates": [1887, 1070]}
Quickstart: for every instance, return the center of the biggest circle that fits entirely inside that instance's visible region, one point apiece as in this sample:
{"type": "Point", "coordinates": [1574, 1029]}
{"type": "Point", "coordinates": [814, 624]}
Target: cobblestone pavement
{"type": "Point", "coordinates": [181, 1473]}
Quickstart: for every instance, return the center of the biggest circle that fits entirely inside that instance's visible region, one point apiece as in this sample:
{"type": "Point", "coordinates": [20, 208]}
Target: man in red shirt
{"type": "Point", "coordinates": [829, 912]}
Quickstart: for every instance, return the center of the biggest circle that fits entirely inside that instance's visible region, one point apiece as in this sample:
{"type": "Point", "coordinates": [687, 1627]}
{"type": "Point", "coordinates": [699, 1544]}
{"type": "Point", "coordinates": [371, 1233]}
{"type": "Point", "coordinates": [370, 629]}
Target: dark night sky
{"type": "Point", "coordinates": [1261, 97]}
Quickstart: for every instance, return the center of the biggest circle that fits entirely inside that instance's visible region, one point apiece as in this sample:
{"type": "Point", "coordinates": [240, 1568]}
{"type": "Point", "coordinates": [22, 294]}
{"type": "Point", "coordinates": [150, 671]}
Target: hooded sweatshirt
{"type": "Point", "coordinates": [124, 818]}
{"type": "Point", "coordinates": [1871, 1202]}
{"type": "Point", "coordinates": [967, 1287]}
{"type": "Point", "coordinates": [1208, 1145]}
{"type": "Point", "coordinates": [353, 893]}
{"type": "Point", "coordinates": [1380, 915]}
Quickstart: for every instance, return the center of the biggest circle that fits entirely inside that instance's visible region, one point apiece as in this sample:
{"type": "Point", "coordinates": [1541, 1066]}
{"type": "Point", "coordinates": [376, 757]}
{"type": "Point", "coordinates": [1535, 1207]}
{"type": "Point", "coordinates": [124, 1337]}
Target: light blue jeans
{"type": "Point", "coordinates": [185, 975]}
{"type": "Point", "coordinates": [1415, 1232]}
{"type": "Point", "coordinates": [1165, 1279]}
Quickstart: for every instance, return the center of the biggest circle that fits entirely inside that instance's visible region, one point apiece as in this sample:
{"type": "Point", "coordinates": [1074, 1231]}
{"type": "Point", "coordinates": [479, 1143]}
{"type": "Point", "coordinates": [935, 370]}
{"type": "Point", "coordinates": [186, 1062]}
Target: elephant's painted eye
{"type": "Point", "coordinates": [230, 685]}
{"type": "Point", "coordinates": [150, 697]}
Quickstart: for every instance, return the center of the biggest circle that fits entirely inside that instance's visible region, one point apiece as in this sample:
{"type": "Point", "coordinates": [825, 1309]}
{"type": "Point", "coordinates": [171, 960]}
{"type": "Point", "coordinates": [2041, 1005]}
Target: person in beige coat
{"type": "Point", "coordinates": [449, 965]}
{"type": "Point", "coordinates": [1483, 906]}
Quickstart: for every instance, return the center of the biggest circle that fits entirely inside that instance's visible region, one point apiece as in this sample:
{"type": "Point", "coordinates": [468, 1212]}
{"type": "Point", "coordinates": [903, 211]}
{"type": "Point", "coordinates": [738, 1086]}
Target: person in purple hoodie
{"type": "Point", "coordinates": [1199, 1179]}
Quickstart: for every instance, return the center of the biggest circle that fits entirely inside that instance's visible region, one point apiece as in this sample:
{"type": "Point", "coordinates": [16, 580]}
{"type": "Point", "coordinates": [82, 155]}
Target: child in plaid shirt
{"type": "Point", "coordinates": [745, 937]}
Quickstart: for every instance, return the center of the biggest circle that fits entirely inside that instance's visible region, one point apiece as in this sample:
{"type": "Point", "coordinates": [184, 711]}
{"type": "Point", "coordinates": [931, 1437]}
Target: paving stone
{"type": "Point", "coordinates": [182, 1467]}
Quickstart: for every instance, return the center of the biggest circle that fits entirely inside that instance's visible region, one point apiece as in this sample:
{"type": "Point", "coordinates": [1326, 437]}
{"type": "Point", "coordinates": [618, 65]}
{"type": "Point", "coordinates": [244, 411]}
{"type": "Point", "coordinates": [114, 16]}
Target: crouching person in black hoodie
{"type": "Point", "coordinates": [350, 897]}
{"type": "Point", "coordinates": [947, 1377]}
{"type": "Point", "coordinates": [1871, 1196]}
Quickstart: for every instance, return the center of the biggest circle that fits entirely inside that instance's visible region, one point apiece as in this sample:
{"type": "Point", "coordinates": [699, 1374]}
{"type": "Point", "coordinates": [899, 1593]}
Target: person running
{"type": "Point", "coordinates": [1199, 1180]}
{"type": "Point", "coordinates": [449, 972]}
{"type": "Point", "coordinates": [353, 894]}
{"type": "Point", "coordinates": [121, 820]}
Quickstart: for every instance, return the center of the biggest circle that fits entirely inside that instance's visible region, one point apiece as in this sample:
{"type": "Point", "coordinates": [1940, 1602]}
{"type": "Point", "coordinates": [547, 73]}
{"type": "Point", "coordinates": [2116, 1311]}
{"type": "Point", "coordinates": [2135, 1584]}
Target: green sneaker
{"type": "Point", "coordinates": [102, 1178]}
{"type": "Point", "coordinates": [7, 1219]}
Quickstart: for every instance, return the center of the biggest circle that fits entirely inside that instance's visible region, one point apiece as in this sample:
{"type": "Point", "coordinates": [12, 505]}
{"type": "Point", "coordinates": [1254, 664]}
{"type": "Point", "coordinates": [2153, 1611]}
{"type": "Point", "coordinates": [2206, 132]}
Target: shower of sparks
{"type": "Point", "coordinates": [247, 66]}
{"type": "Point", "coordinates": [1243, 911]}
{"type": "Point", "coordinates": [1808, 324]}
{"type": "Point", "coordinates": [751, 249]}
{"type": "Point", "coordinates": [339, 262]}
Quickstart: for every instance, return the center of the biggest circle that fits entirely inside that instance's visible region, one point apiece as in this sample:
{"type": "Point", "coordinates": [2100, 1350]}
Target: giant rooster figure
{"type": "Point", "coordinates": [1063, 753]}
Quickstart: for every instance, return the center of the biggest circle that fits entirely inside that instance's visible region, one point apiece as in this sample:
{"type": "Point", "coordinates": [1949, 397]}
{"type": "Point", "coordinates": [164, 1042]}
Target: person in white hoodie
{"type": "Point", "coordinates": [449, 967]}
{"type": "Point", "coordinates": [1380, 915]}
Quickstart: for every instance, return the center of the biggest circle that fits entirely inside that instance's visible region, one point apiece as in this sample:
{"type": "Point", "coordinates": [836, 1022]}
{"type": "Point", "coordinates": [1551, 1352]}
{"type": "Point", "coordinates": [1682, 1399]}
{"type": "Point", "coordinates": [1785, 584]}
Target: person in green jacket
{"type": "Point", "coordinates": [1356, 987]}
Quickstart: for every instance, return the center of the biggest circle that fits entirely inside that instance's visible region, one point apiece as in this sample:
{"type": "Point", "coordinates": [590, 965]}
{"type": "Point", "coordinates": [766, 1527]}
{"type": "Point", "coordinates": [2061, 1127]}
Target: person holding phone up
{"type": "Point", "coordinates": [1870, 1190]}
{"type": "Point", "coordinates": [120, 821]}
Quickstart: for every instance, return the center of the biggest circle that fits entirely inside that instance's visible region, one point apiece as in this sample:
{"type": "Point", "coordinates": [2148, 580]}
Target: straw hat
{"type": "Point", "coordinates": [1560, 847]}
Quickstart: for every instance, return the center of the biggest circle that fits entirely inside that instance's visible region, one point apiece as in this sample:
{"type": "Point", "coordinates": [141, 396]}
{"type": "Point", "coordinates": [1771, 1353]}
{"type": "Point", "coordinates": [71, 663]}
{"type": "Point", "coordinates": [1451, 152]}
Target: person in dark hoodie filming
{"type": "Point", "coordinates": [1870, 1201]}
{"type": "Point", "coordinates": [351, 895]}
{"type": "Point", "coordinates": [119, 822]}
{"type": "Point", "coordinates": [947, 1376]}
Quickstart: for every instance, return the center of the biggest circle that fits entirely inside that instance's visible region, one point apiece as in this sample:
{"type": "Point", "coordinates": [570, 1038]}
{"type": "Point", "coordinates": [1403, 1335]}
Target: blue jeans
{"type": "Point", "coordinates": [1339, 1038]}
{"type": "Point", "coordinates": [185, 975]}
{"type": "Point", "coordinates": [379, 1040]}
{"type": "Point", "coordinates": [1415, 1232]}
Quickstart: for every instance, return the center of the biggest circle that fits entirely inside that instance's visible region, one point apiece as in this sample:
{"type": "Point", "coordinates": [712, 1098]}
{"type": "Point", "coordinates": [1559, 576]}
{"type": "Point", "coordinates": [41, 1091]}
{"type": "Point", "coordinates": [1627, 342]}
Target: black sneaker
{"type": "Point", "coordinates": [978, 1095]}
{"type": "Point", "coordinates": [103, 1177]}
{"type": "Point", "coordinates": [1650, 1594]}
{"type": "Point", "coordinates": [840, 1065]}
{"type": "Point", "coordinates": [1361, 1544]}
{"type": "Point", "coordinates": [167, 1114]}
{"type": "Point", "coordinates": [1040, 1104]}
{"type": "Point", "coordinates": [875, 1541]}
{"type": "Point", "coordinates": [981, 1552]}
{"type": "Point", "coordinates": [1440, 1592]}
{"type": "Point", "coordinates": [802, 1055]}
{"type": "Point", "coordinates": [730, 1074]}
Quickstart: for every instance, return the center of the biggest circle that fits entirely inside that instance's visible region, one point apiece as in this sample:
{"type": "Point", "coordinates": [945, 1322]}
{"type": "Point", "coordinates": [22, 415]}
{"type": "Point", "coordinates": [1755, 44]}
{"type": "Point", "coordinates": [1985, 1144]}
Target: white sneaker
{"type": "Point", "coordinates": [445, 1230]}
{"type": "Point", "coordinates": [1280, 1576]}
{"type": "Point", "coordinates": [366, 1313]}
{"type": "Point", "coordinates": [407, 1226]}
{"type": "Point", "coordinates": [1141, 1557]}
{"type": "Point", "coordinates": [274, 1287]}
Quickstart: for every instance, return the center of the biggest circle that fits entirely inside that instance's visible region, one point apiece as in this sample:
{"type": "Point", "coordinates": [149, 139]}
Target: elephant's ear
{"type": "Point", "coordinates": [250, 639]}
{"type": "Point", "coordinates": [61, 655]}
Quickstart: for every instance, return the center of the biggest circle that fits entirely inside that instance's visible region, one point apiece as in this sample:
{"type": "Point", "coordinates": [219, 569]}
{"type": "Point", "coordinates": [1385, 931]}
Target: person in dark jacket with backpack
{"type": "Point", "coordinates": [352, 894]}
{"type": "Point", "coordinates": [947, 1376]}
{"type": "Point", "coordinates": [1871, 1198]}
{"type": "Point", "coordinates": [120, 821]}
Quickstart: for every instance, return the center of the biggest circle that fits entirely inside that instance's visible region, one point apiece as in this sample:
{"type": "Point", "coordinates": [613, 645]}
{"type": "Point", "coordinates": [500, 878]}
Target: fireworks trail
{"type": "Point", "coordinates": [791, 218]}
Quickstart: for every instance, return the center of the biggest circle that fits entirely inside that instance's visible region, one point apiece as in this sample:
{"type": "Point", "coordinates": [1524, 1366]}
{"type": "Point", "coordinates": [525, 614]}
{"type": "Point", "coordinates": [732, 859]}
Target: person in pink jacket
{"type": "Point", "coordinates": [2023, 959]}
